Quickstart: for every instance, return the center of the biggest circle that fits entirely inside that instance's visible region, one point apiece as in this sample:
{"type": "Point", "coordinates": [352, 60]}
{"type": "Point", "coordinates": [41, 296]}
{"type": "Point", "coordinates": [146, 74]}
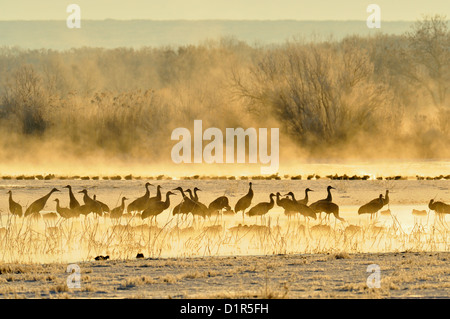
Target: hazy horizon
{"type": "Point", "coordinates": [401, 10]}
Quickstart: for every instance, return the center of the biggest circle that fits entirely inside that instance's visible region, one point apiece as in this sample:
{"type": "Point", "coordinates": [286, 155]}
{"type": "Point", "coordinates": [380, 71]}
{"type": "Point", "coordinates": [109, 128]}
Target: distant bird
{"type": "Point", "coordinates": [64, 212]}
{"type": "Point", "coordinates": [118, 211]}
{"type": "Point", "coordinates": [92, 205]}
{"type": "Point", "coordinates": [303, 209]}
{"type": "Point", "coordinates": [305, 200]}
{"type": "Point", "coordinates": [157, 208]}
{"type": "Point", "coordinates": [14, 208]}
{"type": "Point", "coordinates": [244, 202]}
{"type": "Point", "coordinates": [372, 207]}
{"type": "Point", "coordinates": [263, 208]}
{"type": "Point", "coordinates": [39, 204]}
{"type": "Point", "coordinates": [139, 204]}
{"type": "Point", "coordinates": [440, 208]}
{"type": "Point", "coordinates": [105, 208]}
{"type": "Point", "coordinates": [73, 201]}
{"type": "Point", "coordinates": [327, 207]}
{"type": "Point", "coordinates": [219, 204]}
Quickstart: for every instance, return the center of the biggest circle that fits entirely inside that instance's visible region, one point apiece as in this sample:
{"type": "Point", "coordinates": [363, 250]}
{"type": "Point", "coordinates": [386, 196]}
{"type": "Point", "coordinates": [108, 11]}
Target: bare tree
{"type": "Point", "coordinates": [429, 52]}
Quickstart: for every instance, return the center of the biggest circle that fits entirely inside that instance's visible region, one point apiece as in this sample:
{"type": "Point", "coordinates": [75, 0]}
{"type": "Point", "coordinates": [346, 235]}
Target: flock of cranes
{"type": "Point", "coordinates": [150, 207]}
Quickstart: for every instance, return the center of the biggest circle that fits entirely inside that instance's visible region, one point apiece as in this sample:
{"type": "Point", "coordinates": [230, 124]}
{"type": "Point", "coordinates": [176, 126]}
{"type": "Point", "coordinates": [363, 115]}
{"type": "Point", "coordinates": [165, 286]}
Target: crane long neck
{"type": "Point", "coordinates": [46, 197]}
{"type": "Point", "coordinates": [329, 198]}
{"type": "Point", "coordinates": [306, 194]}
{"type": "Point", "coordinates": [158, 193]}
{"type": "Point", "coordinates": [278, 198]}
{"type": "Point", "coordinates": [167, 202]}
{"type": "Point", "coordinates": [182, 193]}
{"type": "Point", "coordinates": [250, 191]}
{"type": "Point", "coordinates": [272, 202]}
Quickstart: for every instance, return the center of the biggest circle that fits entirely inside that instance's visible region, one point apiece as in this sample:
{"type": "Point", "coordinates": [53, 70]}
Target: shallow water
{"type": "Point", "coordinates": [94, 236]}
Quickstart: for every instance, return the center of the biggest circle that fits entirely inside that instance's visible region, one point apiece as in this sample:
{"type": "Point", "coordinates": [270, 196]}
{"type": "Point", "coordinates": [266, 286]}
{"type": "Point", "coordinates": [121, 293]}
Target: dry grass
{"type": "Point", "coordinates": [26, 241]}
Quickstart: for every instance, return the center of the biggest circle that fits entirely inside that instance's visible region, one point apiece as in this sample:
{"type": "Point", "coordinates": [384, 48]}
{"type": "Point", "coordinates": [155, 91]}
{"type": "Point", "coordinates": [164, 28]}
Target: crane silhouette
{"type": "Point", "coordinates": [14, 208]}
{"type": "Point", "coordinates": [64, 212]}
{"type": "Point", "coordinates": [156, 198]}
{"type": "Point", "coordinates": [73, 203]}
{"type": "Point", "coordinates": [185, 206]}
{"type": "Point", "coordinates": [139, 204]}
{"type": "Point", "coordinates": [244, 202]}
{"type": "Point", "coordinates": [320, 203]}
{"type": "Point", "coordinates": [39, 204]}
{"type": "Point", "coordinates": [305, 200]}
{"type": "Point", "coordinates": [117, 212]}
{"type": "Point", "coordinates": [157, 208]}
{"type": "Point", "coordinates": [440, 208]}
{"type": "Point", "coordinates": [372, 207]}
{"type": "Point", "coordinates": [262, 208]}
{"type": "Point", "coordinates": [105, 208]}
{"type": "Point", "coordinates": [219, 204]}
{"type": "Point", "coordinates": [328, 208]}
{"type": "Point", "coordinates": [92, 206]}
{"type": "Point", "coordinates": [303, 209]}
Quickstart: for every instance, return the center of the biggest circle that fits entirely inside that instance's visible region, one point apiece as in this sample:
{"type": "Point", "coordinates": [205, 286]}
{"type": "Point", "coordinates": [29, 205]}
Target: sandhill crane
{"type": "Point", "coordinates": [305, 200]}
{"type": "Point", "coordinates": [91, 204]}
{"type": "Point", "coordinates": [372, 207]}
{"type": "Point", "coordinates": [14, 208]}
{"type": "Point", "coordinates": [263, 208]}
{"type": "Point", "coordinates": [156, 198]}
{"type": "Point", "coordinates": [81, 210]}
{"type": "Point", "coordinates": [105, 208]}
{"type": "Point", "coordinates": [440, 208]}
{"type": "Point", "coordinates": [329, 198]}
{"type": "Point", "coordinates": [140, 203]}
{"type": "Point", "coordinates": [73, 203]}
{"type": "Point", "coordinates": [64, 212]}
{"type": "Point", "coordinates": [289, 206]}
{"type": "Point", "coordinates": [39, 204]}
{"type": "Point", "coordinates": [328, 208]}
{"type": "Point", "coordinates": [244, 202]}
{"type": "Point", "coordinates": [303, 209]}
{"type": "Point", "coordinates": [157, 208]}
{"type": "Point", "coordinates": [217, 205]}
{"type": "Point", "coordinates": [117, 212]}
{"type": "Point", "coordinates": [199, 209]}
{"type": "Point", "coordinates": [186, 206]}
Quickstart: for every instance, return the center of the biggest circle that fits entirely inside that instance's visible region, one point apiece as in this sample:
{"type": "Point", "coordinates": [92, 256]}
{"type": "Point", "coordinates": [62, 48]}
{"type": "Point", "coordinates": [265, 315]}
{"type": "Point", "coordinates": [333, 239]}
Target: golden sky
{"type": "Point", "coordinates": [221, 9]}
